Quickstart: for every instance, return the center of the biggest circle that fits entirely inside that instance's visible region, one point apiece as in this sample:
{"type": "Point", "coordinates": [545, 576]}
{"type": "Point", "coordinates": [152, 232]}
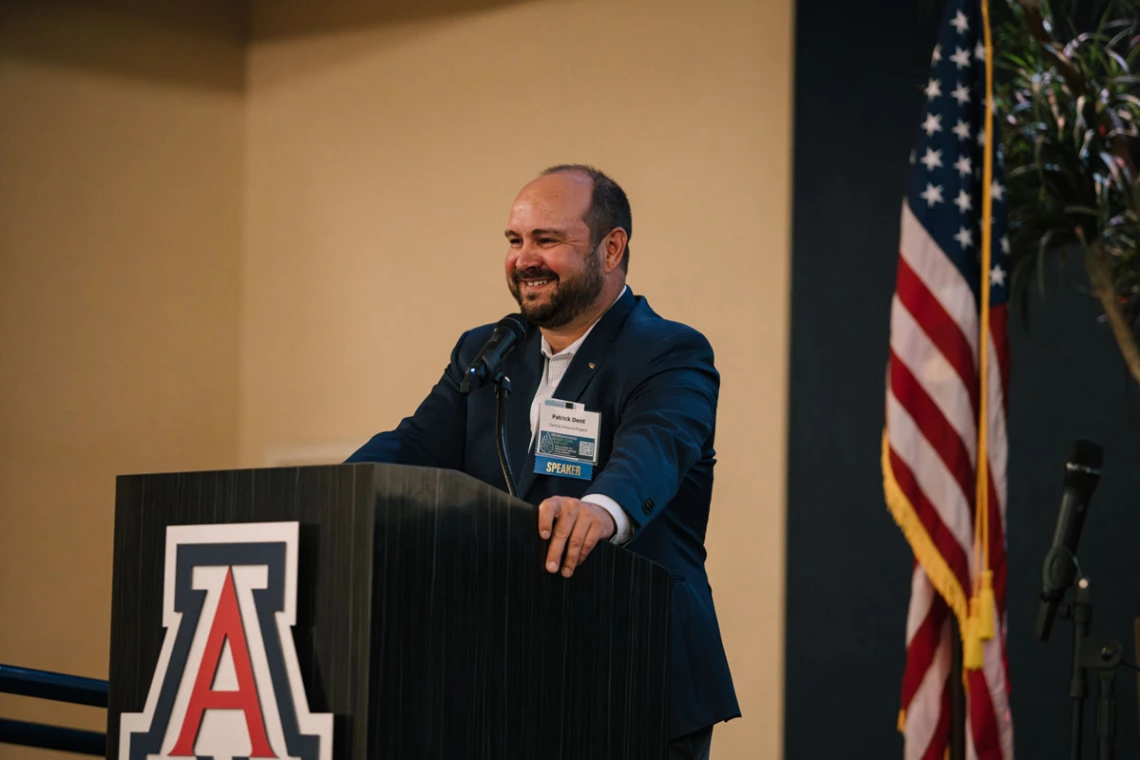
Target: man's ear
{"type": "Point", "coordinates": [614, 248]}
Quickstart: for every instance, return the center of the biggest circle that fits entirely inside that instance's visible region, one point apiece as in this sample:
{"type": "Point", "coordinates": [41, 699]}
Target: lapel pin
{"type": "Point", "coordinates": [590, 365]}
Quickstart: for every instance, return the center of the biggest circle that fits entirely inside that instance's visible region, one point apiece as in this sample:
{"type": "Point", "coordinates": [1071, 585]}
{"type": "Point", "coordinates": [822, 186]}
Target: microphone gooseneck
{"type": "Point", "coordinates": [485, 368]}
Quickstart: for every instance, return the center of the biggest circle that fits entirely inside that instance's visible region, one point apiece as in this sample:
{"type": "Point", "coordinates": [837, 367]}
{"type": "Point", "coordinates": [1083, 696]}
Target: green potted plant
{"type": "Point", "coordinates": [1068, 108]}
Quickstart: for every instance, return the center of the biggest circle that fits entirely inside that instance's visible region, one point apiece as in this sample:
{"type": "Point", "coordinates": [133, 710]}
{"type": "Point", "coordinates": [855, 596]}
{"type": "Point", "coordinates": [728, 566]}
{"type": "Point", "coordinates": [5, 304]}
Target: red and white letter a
{"type": "Point", "coordinates": [227, 626]}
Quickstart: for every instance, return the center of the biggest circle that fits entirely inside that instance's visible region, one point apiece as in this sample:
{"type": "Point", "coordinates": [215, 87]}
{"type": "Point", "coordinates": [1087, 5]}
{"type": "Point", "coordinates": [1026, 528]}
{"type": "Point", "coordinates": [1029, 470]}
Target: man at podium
{"type": "Point", "coordinates": [636, 392]}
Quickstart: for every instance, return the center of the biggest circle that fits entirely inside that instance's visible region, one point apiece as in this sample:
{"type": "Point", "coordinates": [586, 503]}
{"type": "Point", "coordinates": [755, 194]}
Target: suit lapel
{"type": "Point", "coordinates": [594, 351]}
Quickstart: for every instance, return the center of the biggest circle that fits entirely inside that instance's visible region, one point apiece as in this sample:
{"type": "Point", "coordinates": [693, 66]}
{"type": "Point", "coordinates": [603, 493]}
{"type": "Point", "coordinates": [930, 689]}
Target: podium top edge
{"type": "Point", "coordinates": [376, 471]}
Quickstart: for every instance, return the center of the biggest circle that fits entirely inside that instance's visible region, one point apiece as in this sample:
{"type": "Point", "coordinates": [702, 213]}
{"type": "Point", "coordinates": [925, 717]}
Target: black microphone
{"type": "Point", "coordinates": [508, 333]}
{"type": "Point", "coordinates": [1082, 473]}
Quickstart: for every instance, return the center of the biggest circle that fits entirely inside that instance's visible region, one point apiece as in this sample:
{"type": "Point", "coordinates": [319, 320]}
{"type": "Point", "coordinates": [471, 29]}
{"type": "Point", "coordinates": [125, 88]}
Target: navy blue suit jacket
{"type": "Point", "coordinates": [656, 388]}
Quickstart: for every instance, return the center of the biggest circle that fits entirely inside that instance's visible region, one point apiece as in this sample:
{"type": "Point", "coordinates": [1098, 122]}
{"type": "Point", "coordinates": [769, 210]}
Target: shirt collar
{"type": "Point", "coordinates": [573, 347]}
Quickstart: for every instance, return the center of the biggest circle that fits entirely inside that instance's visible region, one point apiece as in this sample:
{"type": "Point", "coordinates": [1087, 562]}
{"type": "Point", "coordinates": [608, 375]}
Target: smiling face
{"type": "Point", "coordinates": [551, 269]}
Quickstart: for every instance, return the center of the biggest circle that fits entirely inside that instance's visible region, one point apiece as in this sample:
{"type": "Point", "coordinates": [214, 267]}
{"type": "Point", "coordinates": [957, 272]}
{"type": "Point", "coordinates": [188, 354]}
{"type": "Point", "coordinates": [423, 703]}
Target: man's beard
{"type": "Point", "coordinates": [571, 296]}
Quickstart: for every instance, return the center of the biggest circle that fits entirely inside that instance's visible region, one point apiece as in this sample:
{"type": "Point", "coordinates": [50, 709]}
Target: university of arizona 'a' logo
{"type": "Point", "coordinates": [228, 684]}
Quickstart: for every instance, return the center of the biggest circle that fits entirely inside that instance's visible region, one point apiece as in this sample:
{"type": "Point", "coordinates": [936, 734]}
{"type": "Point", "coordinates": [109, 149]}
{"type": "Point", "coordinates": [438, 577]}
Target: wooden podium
{"type": "Point", "coordinates": [423, 622]}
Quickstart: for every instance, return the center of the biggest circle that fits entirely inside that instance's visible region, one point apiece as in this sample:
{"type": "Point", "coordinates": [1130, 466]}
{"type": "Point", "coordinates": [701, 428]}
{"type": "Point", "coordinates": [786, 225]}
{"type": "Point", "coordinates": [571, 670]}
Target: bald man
{"type": "Point", "coordinates": [652, 385]}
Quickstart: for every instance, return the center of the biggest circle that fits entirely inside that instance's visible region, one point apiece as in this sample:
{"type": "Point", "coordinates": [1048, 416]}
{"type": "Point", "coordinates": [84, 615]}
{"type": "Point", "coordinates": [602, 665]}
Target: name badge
{"type": "Point", "coordinates": [567, 440]}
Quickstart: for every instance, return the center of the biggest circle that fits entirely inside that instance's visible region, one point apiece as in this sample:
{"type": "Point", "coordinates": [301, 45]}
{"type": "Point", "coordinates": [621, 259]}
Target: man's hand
{"type": "Point", "coordinates": [577, 526]}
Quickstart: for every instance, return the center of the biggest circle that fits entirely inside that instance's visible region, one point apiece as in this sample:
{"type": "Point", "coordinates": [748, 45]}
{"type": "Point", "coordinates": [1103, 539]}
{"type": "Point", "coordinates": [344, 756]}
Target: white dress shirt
{"type": "Point", "coordinates": [554, 366]}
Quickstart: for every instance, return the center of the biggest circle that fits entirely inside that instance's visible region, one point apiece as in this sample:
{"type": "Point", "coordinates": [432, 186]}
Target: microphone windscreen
{"type": "Point", "coordinates": [515, 323]}
{"type": "Point", "coordinates": [1088, 454]}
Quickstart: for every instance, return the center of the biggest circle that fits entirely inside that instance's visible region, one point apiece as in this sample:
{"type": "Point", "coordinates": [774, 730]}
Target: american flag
{"type": "Point", "coordinates": [930, 443]}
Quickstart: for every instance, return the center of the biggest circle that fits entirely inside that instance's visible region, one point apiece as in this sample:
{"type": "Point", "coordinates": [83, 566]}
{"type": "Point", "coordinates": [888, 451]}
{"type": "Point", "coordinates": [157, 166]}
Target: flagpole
{"type": "Point", "coordinates": [957, 694]}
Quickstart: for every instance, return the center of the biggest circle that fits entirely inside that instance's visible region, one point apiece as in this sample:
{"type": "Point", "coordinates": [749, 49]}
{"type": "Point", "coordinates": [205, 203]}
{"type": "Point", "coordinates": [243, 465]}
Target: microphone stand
{"type": "Point", "coordinates": [472, 379]}
{"type": "Point", "coordinates": [1107, 657]}
{"type": "Point", "coordinates": [1099, 654]}
{"type": "Point", "coordinates": [1081, 614]}
{"type": "Point", "coordinates": [502, 394]}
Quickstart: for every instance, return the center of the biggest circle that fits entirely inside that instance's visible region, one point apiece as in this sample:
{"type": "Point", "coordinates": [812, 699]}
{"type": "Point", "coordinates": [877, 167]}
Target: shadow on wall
{"type": "Point", "coordinates": [321, 37]}
{"type": "Point", "coordinates": [129, 38]}
{"type": "Point", "coordinates": [290, 19]}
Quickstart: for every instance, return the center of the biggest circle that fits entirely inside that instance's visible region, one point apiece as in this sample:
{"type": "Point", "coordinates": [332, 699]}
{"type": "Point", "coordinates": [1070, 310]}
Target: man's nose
{"type": "Point", "coordinates": [529, 257]}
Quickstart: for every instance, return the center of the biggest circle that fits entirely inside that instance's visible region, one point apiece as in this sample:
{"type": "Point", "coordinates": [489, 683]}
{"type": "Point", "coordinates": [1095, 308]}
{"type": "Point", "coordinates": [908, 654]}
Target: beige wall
{"type": "Point", "coordinates": [120, 233]}
{"type": "Point", "coordinates": [383, 155]}
{"type": "Point", "coordinates": [214, 255]}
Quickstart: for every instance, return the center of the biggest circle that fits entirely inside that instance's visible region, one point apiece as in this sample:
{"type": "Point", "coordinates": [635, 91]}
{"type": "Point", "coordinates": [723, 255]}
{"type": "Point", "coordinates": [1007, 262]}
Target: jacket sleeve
{"type": "Point", "coordinates": [434, 435]}
{"type": "Point", "coordinates": [666, 427]}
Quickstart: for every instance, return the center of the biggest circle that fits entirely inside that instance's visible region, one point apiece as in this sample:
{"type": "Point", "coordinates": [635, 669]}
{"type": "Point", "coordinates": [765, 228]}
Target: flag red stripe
{"type": "Point", "coordinates": [936, 750]}
{"type": "Point", "coordinates": [998, 566]}
{"type": "Point", "coordinates": [999, 320]}
{"type": "Point", "coordinates": [997, 546]}
{"type": "Point", "coordinates": [943, 539]}
{"type": "Point", "coordinates": [939, 326]}
{"type": "Point", "coordinates": [983, 721]}
{"type": "Point", "coordinates": [934, 426]}
{"type": "Point", "coordinates": [923, 647]}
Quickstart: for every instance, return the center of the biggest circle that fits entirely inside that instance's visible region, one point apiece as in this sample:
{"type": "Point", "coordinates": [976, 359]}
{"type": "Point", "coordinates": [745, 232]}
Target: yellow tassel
{"type": "Point", "coordinates": [972, 658]}
{"type": "Point", "coordinates": [986, 607]}
{"type": "Point", "coordinates": [902, 721]}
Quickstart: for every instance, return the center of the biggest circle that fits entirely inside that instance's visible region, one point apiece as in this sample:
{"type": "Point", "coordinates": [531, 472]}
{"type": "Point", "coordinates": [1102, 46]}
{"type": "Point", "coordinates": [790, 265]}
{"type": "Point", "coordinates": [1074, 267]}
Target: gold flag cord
{"type": "Point", "coordinates": [980, 626]}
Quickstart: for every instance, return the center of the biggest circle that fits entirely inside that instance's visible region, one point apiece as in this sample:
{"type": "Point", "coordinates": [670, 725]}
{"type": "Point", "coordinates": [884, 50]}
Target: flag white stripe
{"type": "Point", "coordinates": [994, 669]}
{"type": "Point", "coordinates": [921, 598]}
{"type": "Point", "coordinates": [939, 485]}
{"type": "Point", "coordinates": [926, 707]}
{"type": "Point", "coordinates": [997, 443]}
{"type": "Point", "coordinates": [998, 454]}
{"type": "Point", "coordinates": [918, 353]}
{"type": "Point", "coordinates": [971, 750]}
{"type": "Point", "coordinates": [940, 276]}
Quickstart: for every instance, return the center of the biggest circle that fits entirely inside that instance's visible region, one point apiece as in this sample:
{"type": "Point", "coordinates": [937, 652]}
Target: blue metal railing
{"type": "Point", "coordinates": [28, 734]}
{"type": "Point", "coordinates": [54, 686]}
{"type": "Point", "coordinates": [57, 687]}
